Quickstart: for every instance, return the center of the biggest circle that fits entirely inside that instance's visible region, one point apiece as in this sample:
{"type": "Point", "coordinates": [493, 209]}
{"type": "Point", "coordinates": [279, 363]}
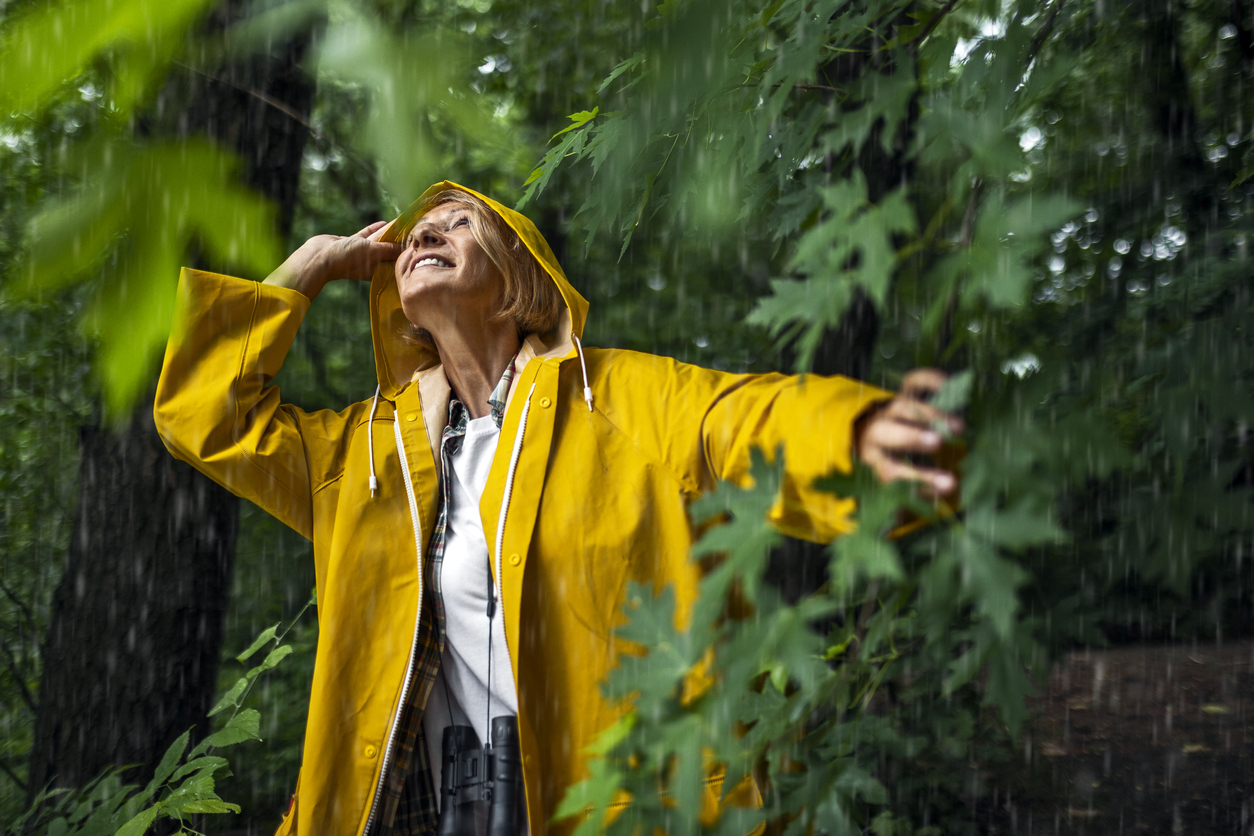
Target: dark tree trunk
{"type": "Point", "coordinates": [799, 568]}
{"type": "Point", "coordinates": [135, 629]}
{"type": "Point", "coordinates": [136, 623]}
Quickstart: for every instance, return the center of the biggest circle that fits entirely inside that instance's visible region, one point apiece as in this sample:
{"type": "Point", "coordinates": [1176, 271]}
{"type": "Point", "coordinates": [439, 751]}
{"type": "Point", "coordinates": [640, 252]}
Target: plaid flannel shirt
{"type": "Point", "coordinates": [409, 800]}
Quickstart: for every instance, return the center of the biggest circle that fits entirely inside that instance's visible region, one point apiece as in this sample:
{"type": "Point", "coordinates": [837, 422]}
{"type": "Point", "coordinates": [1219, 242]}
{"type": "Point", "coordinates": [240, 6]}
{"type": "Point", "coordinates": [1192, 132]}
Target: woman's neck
{"type": "Point", "coordinates": [474, 360]}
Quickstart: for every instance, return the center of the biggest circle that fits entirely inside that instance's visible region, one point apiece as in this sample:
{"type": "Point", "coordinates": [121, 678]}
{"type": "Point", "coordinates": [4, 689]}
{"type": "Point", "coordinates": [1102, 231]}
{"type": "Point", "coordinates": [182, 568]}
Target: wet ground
{"type": "Point", "coordinates": [1136, 740]}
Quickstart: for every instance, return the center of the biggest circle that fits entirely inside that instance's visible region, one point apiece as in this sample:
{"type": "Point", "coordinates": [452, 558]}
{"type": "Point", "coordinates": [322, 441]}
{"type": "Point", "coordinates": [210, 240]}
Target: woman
{"type": "Point", "coordinates": [413, 506]}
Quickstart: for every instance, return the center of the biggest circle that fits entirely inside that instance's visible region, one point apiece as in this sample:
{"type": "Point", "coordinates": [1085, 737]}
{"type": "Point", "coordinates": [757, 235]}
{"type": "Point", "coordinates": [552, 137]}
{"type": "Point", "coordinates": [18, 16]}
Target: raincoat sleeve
{"type": "Point", "coordinates": [810, 419]}
{"type": "Point", "coordinates": [214, 407]}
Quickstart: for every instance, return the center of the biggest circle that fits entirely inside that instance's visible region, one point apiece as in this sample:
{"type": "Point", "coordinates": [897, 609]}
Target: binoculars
{"type": "Point", "coordinates": [490, 773]}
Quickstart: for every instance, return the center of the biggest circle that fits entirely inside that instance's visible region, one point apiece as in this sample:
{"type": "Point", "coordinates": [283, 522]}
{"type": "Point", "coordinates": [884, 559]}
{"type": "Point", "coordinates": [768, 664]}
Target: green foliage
{"type": "Point", "coordinates": [194, 186]}
{"type": "Point", "coordinates": [417, 78]}
{"type": "Point", "coordinates": [57, 42]}
{"type": "Point", "coordinates": [906, 154]}
{"type": "Point", "coordinates": [183, 785]}
{"type": "Point", "coordinates": [1003, 183]}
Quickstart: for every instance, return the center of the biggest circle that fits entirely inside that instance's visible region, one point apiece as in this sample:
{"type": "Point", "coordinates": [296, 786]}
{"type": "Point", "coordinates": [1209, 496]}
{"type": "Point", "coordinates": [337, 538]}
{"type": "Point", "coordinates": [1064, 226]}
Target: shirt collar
{"type": "Point", "coordinates": [496, 400]}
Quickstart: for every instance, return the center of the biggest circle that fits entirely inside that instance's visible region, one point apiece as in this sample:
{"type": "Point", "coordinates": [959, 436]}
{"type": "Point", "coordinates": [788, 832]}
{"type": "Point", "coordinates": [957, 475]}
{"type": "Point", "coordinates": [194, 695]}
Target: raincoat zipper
{"type": "Point", "coordinates": [413, 647]}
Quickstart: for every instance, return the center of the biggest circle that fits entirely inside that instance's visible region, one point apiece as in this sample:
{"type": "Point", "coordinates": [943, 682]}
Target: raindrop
{"type": "Point", "coordinates": [974, 326]}
{"type": "Point", "coordinates": [1102, 149]}
{"type": "Point", "coordinates": [1030, 138]}
{"type": "Point", "coordinates": [1228, 31]}
{"type": "Point", "coordinates": [701, 341]}
{"type": "Point", "coordinates": [1147, 249]}
{"type": "Point", "coordinates": [1021, 366]}
{"type": "Point", "coordinates": [1217, 153]}
{"type": "Point", "coordinates": [1122, 246]}
{"type": "Point", "coordinates": [1234, 138]}
{"type": "Point", "coordinates": [656, 281]}
{"type": "Point", "coordinates": [1164, 280]}
{"type": "Point", "coordinates": [1057, 264]}
{"type": "Point", "coordinates": [1115, 266]}
{"type": "Point", "coordinates": [1090, 216]}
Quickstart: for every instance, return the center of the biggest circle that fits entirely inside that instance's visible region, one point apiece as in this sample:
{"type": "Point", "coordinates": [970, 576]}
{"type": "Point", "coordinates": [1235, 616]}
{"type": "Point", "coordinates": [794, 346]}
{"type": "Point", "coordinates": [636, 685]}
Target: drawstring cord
{"type": "Point", "coordinates": [583, 367]}
{"type": "Point", "coordinates": [374, 483]}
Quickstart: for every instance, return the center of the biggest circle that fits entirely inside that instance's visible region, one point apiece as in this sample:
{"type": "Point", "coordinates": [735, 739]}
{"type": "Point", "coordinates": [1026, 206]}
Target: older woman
{"type": "Point", "coordinates": [476, 522]}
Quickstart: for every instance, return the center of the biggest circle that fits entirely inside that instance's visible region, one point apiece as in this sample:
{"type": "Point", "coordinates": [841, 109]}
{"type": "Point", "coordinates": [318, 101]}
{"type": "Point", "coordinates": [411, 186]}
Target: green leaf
{"type": "Point", "coordinates": [579, 119]}
{"type": "Point", "coordinates": [851, 248]}
{"type": "Point", "coordinates": [243, 726]}
{"type": "Point", "coordinates": [208, 805]}
{"type": "Point", "coordinates": [139, 825]}
{"type": "Point", "coordinates": [169, 761]}
{"type": "Point", "coordinates": [210, 763]}
{"type": "Point", "coordinates": [955, 393]}
{"type": "Point", "coordinates": [267, 635]}
{"type": "Point", "coordinates": [622, 67]}
{"type": "Point", "coordinates": [201, 199]}
{"type": "Point", "coordinates": [231, 698]}
{"type": "Point", "coordinates": [273, 658]}
{"type": "Point", "coordinates": [56, 42]}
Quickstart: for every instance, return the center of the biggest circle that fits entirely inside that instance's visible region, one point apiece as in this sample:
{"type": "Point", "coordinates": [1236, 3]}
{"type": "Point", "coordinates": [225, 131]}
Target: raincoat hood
{"type": "Point", "coordinates": [397, 360]}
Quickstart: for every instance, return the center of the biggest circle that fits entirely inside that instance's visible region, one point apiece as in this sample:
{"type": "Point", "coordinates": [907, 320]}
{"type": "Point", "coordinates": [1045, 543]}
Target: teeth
{"type": "Point", "coordinates": [432, 261]}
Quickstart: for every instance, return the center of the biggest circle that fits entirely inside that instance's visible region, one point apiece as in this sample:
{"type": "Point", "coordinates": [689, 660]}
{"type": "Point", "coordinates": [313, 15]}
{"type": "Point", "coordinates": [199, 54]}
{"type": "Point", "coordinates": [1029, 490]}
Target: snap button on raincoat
{"type": "Point", "coordinates": [602, 451]}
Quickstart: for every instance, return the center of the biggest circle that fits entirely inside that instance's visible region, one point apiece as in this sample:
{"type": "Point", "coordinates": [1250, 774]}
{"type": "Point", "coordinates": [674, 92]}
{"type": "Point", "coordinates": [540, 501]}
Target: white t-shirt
{"type": "Point", "coordinates": [464, 585]}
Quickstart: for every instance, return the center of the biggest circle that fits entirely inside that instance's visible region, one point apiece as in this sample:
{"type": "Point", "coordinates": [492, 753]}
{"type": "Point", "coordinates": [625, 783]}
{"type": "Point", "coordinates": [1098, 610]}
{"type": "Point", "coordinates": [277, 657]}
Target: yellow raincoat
{"type": "Point", "coordinates": [601, 452]}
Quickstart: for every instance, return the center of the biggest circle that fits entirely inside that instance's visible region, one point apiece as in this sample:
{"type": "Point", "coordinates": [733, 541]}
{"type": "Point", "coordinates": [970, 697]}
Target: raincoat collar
{"type": "Point", "coordinates": [399, 362]}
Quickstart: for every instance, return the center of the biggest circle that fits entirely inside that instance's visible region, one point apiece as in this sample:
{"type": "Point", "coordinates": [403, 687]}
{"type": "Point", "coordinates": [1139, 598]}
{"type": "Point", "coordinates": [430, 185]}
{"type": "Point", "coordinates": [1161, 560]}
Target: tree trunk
{"type": "Point", "coordinates": [798, 568]}
{"type": "Point", "coordinates": [135, 629]}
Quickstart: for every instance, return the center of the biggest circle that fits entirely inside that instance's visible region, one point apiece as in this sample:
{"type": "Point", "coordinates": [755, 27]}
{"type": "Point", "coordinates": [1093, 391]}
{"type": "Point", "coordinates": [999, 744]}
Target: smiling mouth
{"type": "Point", "coordinates": [432, 261]}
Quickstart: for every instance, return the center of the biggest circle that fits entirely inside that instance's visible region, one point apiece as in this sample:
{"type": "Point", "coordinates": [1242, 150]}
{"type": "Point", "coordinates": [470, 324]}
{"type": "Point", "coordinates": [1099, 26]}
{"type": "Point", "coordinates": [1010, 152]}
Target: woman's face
{"type": "Point", "coordinates": [443, 274]}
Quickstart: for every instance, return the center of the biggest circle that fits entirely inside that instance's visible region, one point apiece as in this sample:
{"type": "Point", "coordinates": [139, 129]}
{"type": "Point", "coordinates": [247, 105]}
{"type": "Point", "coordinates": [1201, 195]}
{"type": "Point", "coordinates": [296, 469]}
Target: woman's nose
{"type": "Point", "coordinates": [427, 237]}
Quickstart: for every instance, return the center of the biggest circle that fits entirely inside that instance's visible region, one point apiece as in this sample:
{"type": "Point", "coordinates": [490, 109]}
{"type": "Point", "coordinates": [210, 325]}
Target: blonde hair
{"type": "Point", "coordinates": [531, 298]}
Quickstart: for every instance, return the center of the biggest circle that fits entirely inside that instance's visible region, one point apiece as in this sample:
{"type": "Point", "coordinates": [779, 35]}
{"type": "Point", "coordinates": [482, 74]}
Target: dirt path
{"type": "Point", "coordinates": [1137, 740]}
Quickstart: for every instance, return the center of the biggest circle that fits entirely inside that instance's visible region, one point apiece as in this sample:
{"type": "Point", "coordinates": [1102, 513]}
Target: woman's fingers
{"type": "Point", "coordinates": [888, 468]}
{"type": "Point", "coordinates": [909, 426]}
{"type": "Point", "coordinates": [362, 256]}
{"type": "Point", "coordinates": [922, 383]}
{"type": "Point", "coordinates": [899, 437]}
{"type": "Point", "coordinates": [924, 414]}
{"type": "Point", "coordinates": [373, 231]}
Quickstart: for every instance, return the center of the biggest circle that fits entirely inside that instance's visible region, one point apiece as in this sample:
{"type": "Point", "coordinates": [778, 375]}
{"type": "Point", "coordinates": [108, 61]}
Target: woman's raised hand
{"type": "Point", "coordinates": [324, 258]}
{"type": "Point", "coordinates": [907, 426]}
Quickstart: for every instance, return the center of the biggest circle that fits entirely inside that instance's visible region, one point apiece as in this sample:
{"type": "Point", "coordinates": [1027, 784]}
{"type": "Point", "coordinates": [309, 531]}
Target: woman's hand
{"type": "Point", "coordinates": [905, 426]}
{"type": "Point", "coordinates": [324, 258]}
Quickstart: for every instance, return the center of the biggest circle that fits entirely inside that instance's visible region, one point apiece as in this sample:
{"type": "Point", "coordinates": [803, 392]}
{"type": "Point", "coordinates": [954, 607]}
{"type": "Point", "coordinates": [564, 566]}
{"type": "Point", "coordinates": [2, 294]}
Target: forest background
{"type": "Point", "coordinates": [1048, 198]}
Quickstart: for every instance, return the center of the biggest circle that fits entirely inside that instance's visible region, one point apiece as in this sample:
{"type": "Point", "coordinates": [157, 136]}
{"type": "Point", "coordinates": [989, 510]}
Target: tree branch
{"type": "Point", "coordinates": [27, 697]}
{"type": "Point", "coordinates": [1046, 28]}
{"type": "Point", "coordinates": [289, 113]}
{"type": "Point", "coordinates": [932, 24]}
{"type": "Point", "coordinates": [12, 776]}
{"type": "Point", "coordinates": [21, 605]}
